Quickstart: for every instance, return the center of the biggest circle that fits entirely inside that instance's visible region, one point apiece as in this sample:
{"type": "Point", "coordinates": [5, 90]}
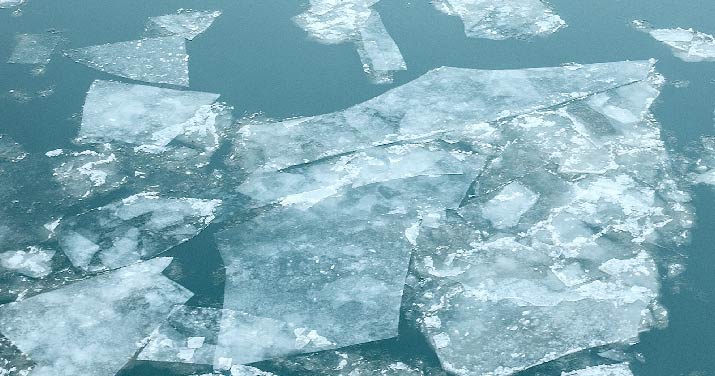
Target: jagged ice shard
{"type": "Point", "coordinates": [102, 320]}
{"type": "Point", "coordinates": [503, 19]}
{"type": "Point", "coordinates": [331, 22]}
{"type": "Point", "coordinates": [160, 60]}
{"type": "Point", "coordinates": [687, 44]}
{"type": "Point", "coordinates": [185, 23]}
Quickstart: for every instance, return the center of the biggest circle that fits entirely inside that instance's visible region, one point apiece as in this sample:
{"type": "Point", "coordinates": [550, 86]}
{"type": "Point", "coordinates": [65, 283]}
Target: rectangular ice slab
{"type": "Point", "coordinates": [687, 44]}
{"type": "Point", "coordinates": [503, 19]}
{"type": "Point", "coordinates": [332, 22]}
{"type": "Point", "coordinates": [160, 60]}
{"type": "Point", "coordinates": [34, 48]}
{"type": "Point", "coordinates": [92, 327]}
{"type": "Point", "coordinates": [185, 23]}
{"type": "Point", "coordinates": [621, 369]}
{"type": "Point", "coordinates": [138, 227]}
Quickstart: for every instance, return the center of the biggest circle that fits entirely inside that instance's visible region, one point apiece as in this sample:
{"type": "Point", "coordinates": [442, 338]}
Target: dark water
{"type": "Point", "coordinates": [259, 61]}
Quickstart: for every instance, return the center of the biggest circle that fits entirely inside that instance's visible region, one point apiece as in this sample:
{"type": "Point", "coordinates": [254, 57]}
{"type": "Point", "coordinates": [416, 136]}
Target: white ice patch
{"type": "Point", "coordinates": [185, 23]}
{"type": "Point", "coordinates": [10, 3]}
{"type": "Point", "coordinates": [86, 173]}
{"type": "Point", "coordinates": [34, 48]}
{"type": "Point", "coordinates": [503, 19]}
{"type": "Point", "coordinates": [160, 60]}
{"type": "Point", "coordinates": [506, 208]}
{"type": "Point", "coordinates": [687, 44]}
{"type": "Point", "coordinates": [620, 369]}
{"type": "Point", "coordinates": [33, 262]}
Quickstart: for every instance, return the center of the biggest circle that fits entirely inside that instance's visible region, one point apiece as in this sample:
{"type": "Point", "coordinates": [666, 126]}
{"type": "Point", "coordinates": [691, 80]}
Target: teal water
{"type": "Point", "coordinates": [260, 62]}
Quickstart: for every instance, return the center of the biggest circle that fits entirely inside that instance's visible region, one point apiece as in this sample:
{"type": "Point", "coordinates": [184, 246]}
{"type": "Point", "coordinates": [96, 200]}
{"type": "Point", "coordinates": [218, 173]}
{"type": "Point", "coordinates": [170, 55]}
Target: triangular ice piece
{"type": "Point", "coordinates": [185, 23]}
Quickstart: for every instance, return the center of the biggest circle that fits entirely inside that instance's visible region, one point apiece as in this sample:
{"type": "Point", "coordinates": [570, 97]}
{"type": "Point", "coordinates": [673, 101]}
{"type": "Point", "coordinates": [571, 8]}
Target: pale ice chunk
{"type": "Point", "coordinates": [704, 166]}
{"type": "Point", "coordinates": [33, 262]}
{"type": "Point", "coordinates": [10, 3]}
{"type": "Point", "coordinates": [239, 370]}
{"type": "Point", "coordinates": [185, 23]}
{"type": "Point", "coordinates": [503, 19]}
{"type": "Point", "coordinates": [160, 60]}
{"type": "Point", "coordinates": [150, 117]}
{"type": "Point", "coordinates": [94, 326]}
{"type": "Point", "coordinates": [506, 208]}
{"type": "Point", "coordinates": [687, 44]}
{"type": "Point", "coordinates": [87, 173]}
{"type": "Point", "coordinates": [332, 22]}
{"type": "Point", "coordinates": [34, 48]}
{"type": "Point", "coordinates": [621, 369]}
{"type": "Point", "coordinates": [135, 228]}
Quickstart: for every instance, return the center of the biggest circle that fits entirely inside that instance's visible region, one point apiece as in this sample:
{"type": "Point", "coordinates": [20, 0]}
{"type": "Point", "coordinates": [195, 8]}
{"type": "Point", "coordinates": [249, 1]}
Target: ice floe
{"type": "Point", "coordinates": [687, 44]}
{"type": "Point", "coordinates": [331, 22]}
{"type": "Point", "coordinates": [503, 19]}
{"type": "Point", "coordinates": [185, 23]}
{"type": "Point", "coordinates": [102, 320]}
{"type": "Point", "coordinates": [10, 3]}
{"type": "Point", "coordinates": [87, 173]}
{"type": "Point", "coordinates": [34, 48]}
{"type": "Point", "coordinates": [33, 262]}
{"type": "Point", "coordinates": [704, 165]}
{"type": "Point", "coordinates": [621, 369]}
{"type": "Point", "coordinates": [161, 60]}
{"type": "Point", "coordinates": [138, 227]}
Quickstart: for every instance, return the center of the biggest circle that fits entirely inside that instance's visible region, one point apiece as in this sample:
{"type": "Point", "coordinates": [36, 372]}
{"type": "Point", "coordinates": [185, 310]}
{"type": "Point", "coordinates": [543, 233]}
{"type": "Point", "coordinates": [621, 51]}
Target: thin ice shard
{"type": "Point", "coordinates": [94, 326]}
{"type": "Point", "coordinates": [620, 369]}
{"type": "Point", "coordinates": [333, 22]}
{"type": "Point", "coordinates": [503, 19]}
{"type": "Point", "coordinates": [185, 23]}
{"type": "Point", "coordinates": [687, 44]}
{"type": "Point", "coordinates": [157, 60]}
{"type": "Point", "coordinates": [136, 228]}
{"type": "Point", "coordinates": [34, 48]}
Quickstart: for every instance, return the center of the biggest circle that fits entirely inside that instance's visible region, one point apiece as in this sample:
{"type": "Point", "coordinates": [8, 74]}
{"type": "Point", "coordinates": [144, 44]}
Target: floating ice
{"type": "Point", "coordinates": [34, 48]}
{"type": "Point", "coordinates": [704, 166]}
{"type": "Point", "coordinates": [92, 327]}
{"type": "Point", "coordinates": [334, 22]}
{"type": "Point", "coordinates": [158, 60]}
{"type": "Point", "coordinates": [185, 23]}
{"type": "Point", "coordinates": [33, 262]}
{"type": "Point", "coordinates": [687, 44]}
{"type": "Point", "coordinates": [138, 227]}
{"type": "Point", "coordinates": [10, 3]}
{"type": "Point", "coordinates": [86, 173]}
{"type": "Point", "coordinates": [503, 19]}
{"type": "Point", "coordinates": [621, 369]}
{"type": "Point", "coordinates": [550, 253]}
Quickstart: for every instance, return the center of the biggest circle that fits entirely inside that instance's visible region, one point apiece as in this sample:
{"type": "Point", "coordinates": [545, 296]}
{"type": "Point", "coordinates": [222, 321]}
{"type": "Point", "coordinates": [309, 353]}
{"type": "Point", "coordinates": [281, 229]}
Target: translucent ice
{"type": "Point", "coordinates": [687, 44]}
{"type": "Point", "coordinates": [86, 173]}
{"type": "Point", "coordinates": [185, 23]}
{"type": "Point", "coordinates": [503, 19]}
{"type": "Point", "coordinates": [92, 327]}
{"type": "Point", "coordinates": [334, 22]}
{"type": "Point", "coordinates": [135, 228]}
{"type": "Point", "coordinates": [621, 369]}
{"type": "Point", "coordinates": [704, 165]}
{"type": "Point", "coordinates": [33, 262]}
{"type": "Point", "coordinates": [160, 60]}
{"type": "Point", "coordinates": [34, 48]}
{"type": "Point", "coordinates": [10, 3]}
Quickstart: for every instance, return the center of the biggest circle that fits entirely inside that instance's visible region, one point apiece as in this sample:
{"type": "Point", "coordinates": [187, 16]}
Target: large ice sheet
{"type": "Point", "coordinates": [185, 23]}
{"type": "Point", "coordinates": [620, 369]}
{"type": "Point", "coordinates": [503, 19]}
{"type": "Point", "coordinates": [551, 253]}
{"type": "Point", "coordinates": [135, 228]}
{"type": "Point", "coordinates": [442, 101]}
{"type": "Point", "coordinates": [687, 44]}
{"type": "Point", "coordinates": [160, 60]}
{"type": "Point", "coordinates": [34, 48]}
{"type": "Point", "coordinates": [94, 326]}
{"type": "Point", "coordinates": [333, 22]}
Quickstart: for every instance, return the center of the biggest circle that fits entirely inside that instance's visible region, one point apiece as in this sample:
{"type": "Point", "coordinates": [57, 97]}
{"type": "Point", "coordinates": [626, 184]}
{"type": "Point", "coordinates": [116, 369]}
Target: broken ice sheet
{"type": "Point", "coordinates": [620, 369]}
{"type": "Point", "coordinates": [34, 48]}
{"type": "Point", "coordinates": [33, 262]}
{"type": "Point", "coordinates": [185, 23]}
{"type": "Point", "coordinates": [86, 173]}
{"type": "Point", "coordinates": [74, 330]}
{"type": "Point", "coordinates": [332, 22]}
{"type": "Point", "coordinates": [551, 253]}
{"type": "Point", "coordinates": [503, 19]}
{"type": "Point", "coordinates": [160, 60]}
{"type": "Point", "coordinates": [135, 228]}
{"type": "Point", "coordinates": [687, 44]}
{"type": "Point", "coordinates": [704, 165]}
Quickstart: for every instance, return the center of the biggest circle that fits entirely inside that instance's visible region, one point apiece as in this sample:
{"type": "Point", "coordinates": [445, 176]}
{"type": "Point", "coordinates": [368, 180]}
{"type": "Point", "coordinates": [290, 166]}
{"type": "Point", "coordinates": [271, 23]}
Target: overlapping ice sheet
{"type": "Point", "coordinates": [503, 19]}
{"type": "Point", "coordinates": [33, 262]}
{"type": "Point", "coordinates": [333, 22]}
{"type": "Point", "coordinates": [620, 369]}
{"type": "Point", "coordinates": [550, 254]}
{"type": "Point", "coordinates": [87, 173]}
{"type": "Point", "coordinates": [161, 60]}
{"type": "Point", "coordinates": [34, 48]}
{"type": "Point", "coordinates": [92, 327]}
{"type": "Point", "coordinates": [687, 44]}
{"type": "Point", "coordinates": [185, 23]}
{"type": "Point", "coordinates": [135, 228]}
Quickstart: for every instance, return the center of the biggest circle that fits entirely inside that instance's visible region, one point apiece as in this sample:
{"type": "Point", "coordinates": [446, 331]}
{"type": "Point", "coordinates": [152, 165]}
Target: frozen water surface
{"type": "Point", "coordinates": [687, 44]}
{"type": "Point", "coordinates": [34, 48]}
{"type": "Point", "coordinates": [185, 23]}
{"type": "Point", "coordinates": [102, 320]}
{"type": "Point", "coordinates": [621, 369]}
{"type": "Point", "coordinates": [160, 60]}
{"type": "Point", "coordinates": [332, 22]}
{"type": "Point", "coordinates": [503, 19]}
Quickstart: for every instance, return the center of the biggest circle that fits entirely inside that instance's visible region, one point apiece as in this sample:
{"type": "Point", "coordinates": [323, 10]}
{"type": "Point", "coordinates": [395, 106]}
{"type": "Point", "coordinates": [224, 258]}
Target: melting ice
{"type": "Point", "coordinates": [687, 44]}
{"type": "Point", "coordinates": [620, 369]}
{"type": "Point", "coordinates": [34, 48]}
{"type": "Point", "coordinates": [185, 23]}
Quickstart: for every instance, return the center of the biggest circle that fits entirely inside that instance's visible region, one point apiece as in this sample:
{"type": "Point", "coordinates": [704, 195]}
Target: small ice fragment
{"type": "Point", "coordinates": [687, 44]}
{"type": "Point", "coordinates": [33, 262]}
{"type": "Point", "coordinates": [34, 48]}
{"type": "Point", "coordinates": [503, 19]}
{"type": "Point", "coordinates": [10, 3]}
{"type": "Point", "coordinates": [157, 60]}
{"type": "Point", "coordinates": [379, 53]}
{"type": "Point", "coordinates": [195, 342]}
{"type": "Point", "coordinates": [86, 173]}
{"type": "Point", "coordinates": [239, 370]}
{"type": "Point", "coordinates": [620, 369]}
{"type": "Point", "coordinates": [506, 208]}
{"type": "Point", "coordinates": [185, 23]}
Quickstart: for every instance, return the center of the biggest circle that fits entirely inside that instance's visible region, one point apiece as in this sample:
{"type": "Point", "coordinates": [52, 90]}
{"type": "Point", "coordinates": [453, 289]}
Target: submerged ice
{"type": "Point", "coordinates": [185, 23]}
